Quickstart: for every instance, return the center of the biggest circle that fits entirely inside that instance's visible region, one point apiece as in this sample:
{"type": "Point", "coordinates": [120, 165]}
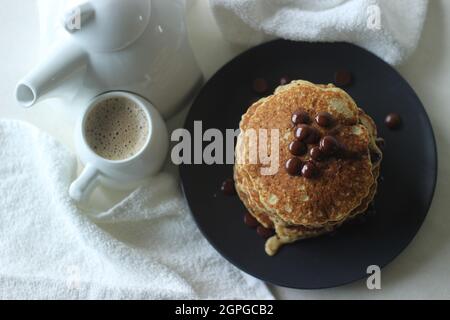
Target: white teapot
{"type": "Point", "coordinates": [137, 46]}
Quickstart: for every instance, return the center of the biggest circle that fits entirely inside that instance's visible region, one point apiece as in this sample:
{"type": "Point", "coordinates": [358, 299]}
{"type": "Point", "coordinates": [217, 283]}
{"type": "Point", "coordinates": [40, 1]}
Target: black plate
{"type": "Point", "coordinates": [409, 168]}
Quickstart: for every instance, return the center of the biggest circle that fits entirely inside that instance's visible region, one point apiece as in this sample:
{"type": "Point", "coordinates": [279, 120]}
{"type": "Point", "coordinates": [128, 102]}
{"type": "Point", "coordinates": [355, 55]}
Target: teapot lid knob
{"type": "Point", "coordinates": [107, 25]}
{"type": "Point", "coordinates": [78, 17]}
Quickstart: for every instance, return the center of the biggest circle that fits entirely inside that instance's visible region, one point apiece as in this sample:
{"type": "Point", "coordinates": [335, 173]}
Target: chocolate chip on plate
{"type": "Point", "coordinates": [300, 117]}
{"type": "Point", "coordinates": [265, 232]}
{"type": "Point", "coordinates": [329, 145]}
{"type": "Point", "coordinates": [297, 148]}
{"type": "Point", "coordinates": [228, 187]}
{"type": "Point", "coordinates": [393, 121]}
{"type": "Point", "coordinates": [294, 167]}
{"type": "Point", "coordinates": [250, 220]}
{"type": "Point", "coordinates": [324, 119]}
{"type": "Point", "coordinates": [260, 85]}
{"type": "Point", "coordinates": [310, 170]}
{"type": "Point", "coordinates": [343, 78]}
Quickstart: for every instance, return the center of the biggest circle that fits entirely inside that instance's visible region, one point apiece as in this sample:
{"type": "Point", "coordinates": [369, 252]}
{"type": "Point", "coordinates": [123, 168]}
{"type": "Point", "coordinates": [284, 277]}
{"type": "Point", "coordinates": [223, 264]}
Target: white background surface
{"type": "Point", "coordinates": [421, 271]}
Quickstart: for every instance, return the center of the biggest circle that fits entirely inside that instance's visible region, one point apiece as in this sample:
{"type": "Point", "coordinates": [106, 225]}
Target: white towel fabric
{"type": "Point", "coordinates": [389, 28]}
{"type": "Point", "coordinates": [147, 247]}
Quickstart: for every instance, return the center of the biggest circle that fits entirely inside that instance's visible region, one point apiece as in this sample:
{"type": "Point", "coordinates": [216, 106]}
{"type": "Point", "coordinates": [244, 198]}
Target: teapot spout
{"type": "Point", "coordinates": [51, 73]}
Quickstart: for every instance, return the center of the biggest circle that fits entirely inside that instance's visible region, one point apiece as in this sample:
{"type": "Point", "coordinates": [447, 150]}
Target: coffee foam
{"type": "Point", "coordinates": [116, 129]}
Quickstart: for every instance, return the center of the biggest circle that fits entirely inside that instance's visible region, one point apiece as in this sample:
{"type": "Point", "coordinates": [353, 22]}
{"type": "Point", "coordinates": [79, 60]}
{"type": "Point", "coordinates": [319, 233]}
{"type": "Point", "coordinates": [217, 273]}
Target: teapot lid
{"type": "Point", "coordinates": [107, 25]}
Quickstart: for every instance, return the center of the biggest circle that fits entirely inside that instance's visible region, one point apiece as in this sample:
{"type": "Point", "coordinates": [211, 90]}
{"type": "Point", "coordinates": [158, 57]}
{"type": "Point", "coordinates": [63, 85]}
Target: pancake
{"type": "Point", "coordinates": [344, 182]}
{"type": "Point", "coordinates": [286, 234]}
{"type": "Point", "coordinates": [297, 207]}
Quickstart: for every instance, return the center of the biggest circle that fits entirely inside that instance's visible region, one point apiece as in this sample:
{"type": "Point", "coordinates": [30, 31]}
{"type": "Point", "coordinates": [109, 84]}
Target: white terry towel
{"type": "Point", "coordinates": [147, 247]}
{"type": "Point", "coordinates": [389, 28]}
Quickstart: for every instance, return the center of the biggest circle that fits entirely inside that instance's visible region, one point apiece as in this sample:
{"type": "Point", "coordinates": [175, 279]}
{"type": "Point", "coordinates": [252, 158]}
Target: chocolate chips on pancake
{"type": "Point", "coordinates": [329, 162]}
{"type": "Point", "coordinates": [300, 117]}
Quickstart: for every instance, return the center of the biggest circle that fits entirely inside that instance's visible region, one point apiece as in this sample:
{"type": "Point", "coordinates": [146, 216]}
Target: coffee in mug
{"type": "Point", "coordinates": [117, 129]}
{"type": "Point", "coordinates": [122, 141]}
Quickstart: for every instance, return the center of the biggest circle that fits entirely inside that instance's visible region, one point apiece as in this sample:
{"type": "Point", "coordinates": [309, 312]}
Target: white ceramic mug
{"type": "Point", "coordinates": [120, 174]}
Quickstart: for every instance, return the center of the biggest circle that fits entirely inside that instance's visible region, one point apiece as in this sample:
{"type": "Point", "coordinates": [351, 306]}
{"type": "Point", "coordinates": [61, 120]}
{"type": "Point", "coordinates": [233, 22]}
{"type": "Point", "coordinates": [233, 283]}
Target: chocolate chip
{"type": "Point", "coordinates": [314, 137]}
{"type": "Point", "coordinates": [264, 232]}
{"type": "Point", "coordinates": [294, 167]}
{"type": "Point", "coordinates": [307, 134]}
{"type": "Point", "coordinates": [343, 78]}
{"type": "Point", "coordinates": [228, 187]}
{"type": "Point", "coordinates": [329, 145]}
{"type": "Point", "coordinates": [310, 170]}
{"type": "Point", "coordinates": [393, 121]}
{"type": "Point", "coordinates": [302, 132]}
{"type": "Point", "coordinates": [260, 86]}
{"type": "Point", "coordinates": [297, 148]}
{"type": "Point", "coordinates": [285, 80]}
{"type": "Point", "coordinates": [300, 117]}
{"type": "Point", "coordinates": [324, 119]}
{"type": "Point", "coordinates": [316, 154]}
{"type": "Point", "coordinates": [250, 221]}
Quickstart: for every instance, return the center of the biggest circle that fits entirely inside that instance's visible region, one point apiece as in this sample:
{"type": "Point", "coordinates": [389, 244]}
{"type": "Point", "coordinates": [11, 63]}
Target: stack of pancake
{"type": "Point", "coordinates": [299, 206]}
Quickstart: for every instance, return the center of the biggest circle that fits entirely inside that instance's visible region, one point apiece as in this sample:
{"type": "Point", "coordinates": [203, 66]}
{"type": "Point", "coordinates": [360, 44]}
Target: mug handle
{"type": "Point", "coordinates": [81, 187]}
